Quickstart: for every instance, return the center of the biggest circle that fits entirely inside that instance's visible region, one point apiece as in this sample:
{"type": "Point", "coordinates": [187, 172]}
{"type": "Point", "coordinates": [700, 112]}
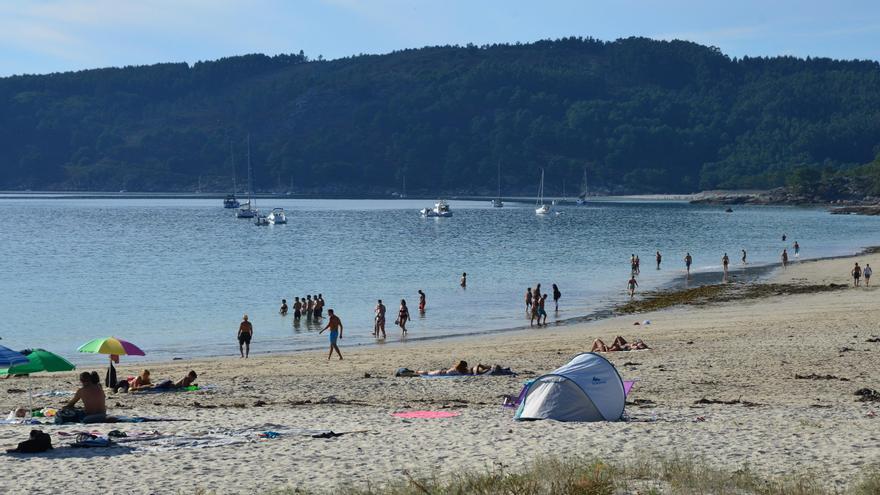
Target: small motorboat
{"type": "Point", "coordinates": [440, 209]}
{"type": "Point", "coordinates": [497, 203]}
{"type": "Point", "coordinates": [542, 210]}
{"type": "Point", "coordinates": [230, 202]}
{"type": "Point", "coordinates": [260, 220]}
{"type": "Point", "coordinates": [246, 211]}
{"type": "Point", "coordinates": [277, 217]}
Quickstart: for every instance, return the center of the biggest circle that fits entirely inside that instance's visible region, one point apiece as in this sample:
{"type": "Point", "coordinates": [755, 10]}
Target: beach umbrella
{"type": "Point", "coordinates": [111, 345]}
{"type": "Point", "coordinates": [37, 360]}
{"type": "Point", "coordinates": [115, 347]}
{"type": "Point", "coordinates": [8, 357]}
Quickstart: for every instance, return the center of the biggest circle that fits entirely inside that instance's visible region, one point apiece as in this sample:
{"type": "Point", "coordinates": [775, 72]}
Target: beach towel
{"type": "Point", "coordinates": [425, 414]}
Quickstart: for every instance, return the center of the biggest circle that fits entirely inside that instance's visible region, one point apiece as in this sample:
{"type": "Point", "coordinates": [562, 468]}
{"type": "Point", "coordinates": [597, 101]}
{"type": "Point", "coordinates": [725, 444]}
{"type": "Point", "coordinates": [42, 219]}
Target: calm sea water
{"type": "Point", "coordinates": [175, 276]}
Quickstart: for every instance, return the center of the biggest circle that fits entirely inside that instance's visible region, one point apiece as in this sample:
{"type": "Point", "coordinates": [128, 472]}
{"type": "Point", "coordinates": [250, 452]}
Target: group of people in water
{"type": "Point", "coordinates": [403, 315]}
{"type": "Point", "coordinates": [536, 302]}
{"type": "Point", "coordinates": [310, 306]}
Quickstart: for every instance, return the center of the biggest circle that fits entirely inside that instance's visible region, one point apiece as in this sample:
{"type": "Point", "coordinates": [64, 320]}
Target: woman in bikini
{"type": "Point", "coordinates": [403, 316]}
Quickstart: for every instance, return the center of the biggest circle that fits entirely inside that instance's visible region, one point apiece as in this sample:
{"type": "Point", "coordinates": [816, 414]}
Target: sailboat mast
{"type": "Point", "coordinates": [234, 172]}
{"type": "Point", "coordinates": [499, 179]}
{"type": "Point", "coordinates": [250, 174]}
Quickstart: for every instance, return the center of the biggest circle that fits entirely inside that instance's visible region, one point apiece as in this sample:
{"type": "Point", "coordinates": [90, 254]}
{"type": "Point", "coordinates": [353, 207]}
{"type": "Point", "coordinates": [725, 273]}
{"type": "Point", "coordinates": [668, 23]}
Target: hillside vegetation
{"type": "Point", "coordinates": [640, 115]}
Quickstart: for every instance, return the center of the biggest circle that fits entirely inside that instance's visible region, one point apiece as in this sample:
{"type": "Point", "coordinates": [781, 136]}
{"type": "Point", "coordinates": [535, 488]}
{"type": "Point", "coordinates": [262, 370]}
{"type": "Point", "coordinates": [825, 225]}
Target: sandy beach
{"type": "Point", "coordinates": [746, 352]}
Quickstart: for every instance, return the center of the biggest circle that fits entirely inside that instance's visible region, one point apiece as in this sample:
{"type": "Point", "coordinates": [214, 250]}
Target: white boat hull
{"type": "Point", "coordinates": [542, 210]}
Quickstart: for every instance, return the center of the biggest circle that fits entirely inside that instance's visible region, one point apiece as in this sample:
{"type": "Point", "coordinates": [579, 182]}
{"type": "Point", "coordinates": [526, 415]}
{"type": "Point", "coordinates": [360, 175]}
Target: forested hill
{"type": "Point", "coordinates": [640, 115]}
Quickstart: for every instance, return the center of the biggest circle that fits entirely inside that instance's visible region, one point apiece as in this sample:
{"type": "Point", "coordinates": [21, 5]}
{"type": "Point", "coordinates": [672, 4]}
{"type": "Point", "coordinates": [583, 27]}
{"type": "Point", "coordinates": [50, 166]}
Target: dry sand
{"type": "Point", "coordinates": [739, 350]}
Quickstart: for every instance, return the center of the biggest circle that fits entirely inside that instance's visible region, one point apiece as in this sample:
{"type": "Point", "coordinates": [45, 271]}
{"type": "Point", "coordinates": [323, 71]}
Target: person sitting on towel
{"type": "Point", "coordinates": [139, 382]}
{"type": "Point", "coordinates": [184, 382]}
{"type": "Point", "coordinates": [94, 401]}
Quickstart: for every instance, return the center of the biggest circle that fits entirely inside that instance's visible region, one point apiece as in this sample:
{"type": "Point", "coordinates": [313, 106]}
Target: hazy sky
{"type": "Point", "coordinates": [39, 36]}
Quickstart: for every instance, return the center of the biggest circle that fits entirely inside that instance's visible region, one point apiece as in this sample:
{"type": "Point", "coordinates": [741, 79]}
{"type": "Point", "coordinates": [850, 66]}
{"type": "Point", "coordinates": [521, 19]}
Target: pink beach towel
{"type": "Point", "coordinates": [425, 414]}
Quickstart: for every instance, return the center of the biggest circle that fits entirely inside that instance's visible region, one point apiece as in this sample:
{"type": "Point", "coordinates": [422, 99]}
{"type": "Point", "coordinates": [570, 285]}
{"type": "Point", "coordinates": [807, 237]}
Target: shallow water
{"type": "Point", "coordinates": [175, 275]}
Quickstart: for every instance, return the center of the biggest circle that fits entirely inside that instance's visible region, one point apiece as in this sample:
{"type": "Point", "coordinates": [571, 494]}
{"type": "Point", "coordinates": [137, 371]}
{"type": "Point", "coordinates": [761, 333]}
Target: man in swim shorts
{"type": "Point", "coordinates": [245, 333]}
{"type": "Point", "coordinates": [335, 326]}
{"type": "Point", "coordinates": [297, 308]}
{"type": "Point", "coordinates": [688, 260]}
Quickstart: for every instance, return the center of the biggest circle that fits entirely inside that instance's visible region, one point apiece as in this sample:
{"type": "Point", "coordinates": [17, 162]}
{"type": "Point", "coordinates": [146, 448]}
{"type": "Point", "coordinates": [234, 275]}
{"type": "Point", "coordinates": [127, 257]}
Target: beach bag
{"type": "Point", "coordinates": [38, 442]}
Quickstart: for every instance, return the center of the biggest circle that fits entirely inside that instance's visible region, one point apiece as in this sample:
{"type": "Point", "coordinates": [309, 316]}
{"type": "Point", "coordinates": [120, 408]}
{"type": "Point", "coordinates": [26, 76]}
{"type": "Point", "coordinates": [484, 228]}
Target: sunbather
{"type": "Point", "coordinates": [459, 369]}
{"type": "Point", "coordinates": [619, 344]}
{"type": "Point", "coordinates": [184, 382]}
{"type": "Point", "coordinates": [139, 382]}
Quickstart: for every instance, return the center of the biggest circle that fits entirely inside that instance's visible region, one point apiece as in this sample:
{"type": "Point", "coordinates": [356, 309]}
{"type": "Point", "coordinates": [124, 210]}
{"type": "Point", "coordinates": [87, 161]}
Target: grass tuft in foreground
{"type": "Point", "coordinates": [586, 476]}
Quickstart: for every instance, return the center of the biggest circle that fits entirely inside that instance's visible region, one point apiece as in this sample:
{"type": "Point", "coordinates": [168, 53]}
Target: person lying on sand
{"type": "Point", "coordinates": [139, 382]}
{"type": "Point", "coordinates": [184, 382]}
{"type": "Point", "coordinates": [619, 344]}
{"type": "Point", "coordinates": [460, 369]}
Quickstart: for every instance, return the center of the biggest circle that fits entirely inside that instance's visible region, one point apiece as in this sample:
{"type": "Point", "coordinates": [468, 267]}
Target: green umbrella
{"type": "Point", "coordinates": [38, 360]}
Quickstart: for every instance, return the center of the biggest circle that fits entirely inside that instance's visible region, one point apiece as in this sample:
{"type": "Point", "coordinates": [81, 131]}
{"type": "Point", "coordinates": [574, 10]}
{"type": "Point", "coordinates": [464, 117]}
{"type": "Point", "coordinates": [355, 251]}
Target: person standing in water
{"type": "Point", "coordinates": [688, 260]}
{"type": "Point", "coordinates": [335, 326]}
{"type": "Point", "coordinates": [297, 308]}
{"type": "Point", "coordinates": [463, 281]}
{"type": "Point", "coordinates": [856, 274]}
{"type": "Point", "coordinates": [744, 256]}
{"type": "Point", "coordinates": [659, 258]}
{"type": "Point", "coordinates": [245, 334]}
{"type": "Point", "coordinates": [797, 249]}
{"type": "Point", "coordinates": [283, 309]}
{"type": "Point", "coordinates": [556, 295]}
{"type": "Point", "coordinates": [379, 325]}
{"type": "Point", "coordinates": [867, 272]}
{"type": "Point", "coordinates": [638, 265]}
{"type": "Point", "coordinates": [632, 284]}
{"type": "Point", "coordinates": [403, 316]}
{"type": "Point", "coordinates": [784, 258]}
{"type": "Point", "coordinates": [528, 299]}
{"type": "Point", "coordinates": [310, 307]}
{"type": "Point", "coordinates": [724, 262]}
{"type": "Point", "coordinates": [319, 306]}
{"type": "Point", "coordinates": [422, 302]}
{"type": "Point", "coordinates": [784, 237]}
{"type": "Point", "coordinates": [541, 310]}
{"type": "Point", "coordinates": [632, 264]}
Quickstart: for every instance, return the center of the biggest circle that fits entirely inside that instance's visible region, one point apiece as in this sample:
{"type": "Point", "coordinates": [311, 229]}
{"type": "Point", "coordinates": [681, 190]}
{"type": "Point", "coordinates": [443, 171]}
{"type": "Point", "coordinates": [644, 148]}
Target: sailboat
{"type": "Point", "coordinates": [541, 209]}
{"type": "Point", "coordinates": [231, 201]}
{"type": "Point", "coordinates": [582, 199]}
{"type": "Point", "coordinates": [497, 202]}
{"type": "Point", "coordinates": [249, 209]}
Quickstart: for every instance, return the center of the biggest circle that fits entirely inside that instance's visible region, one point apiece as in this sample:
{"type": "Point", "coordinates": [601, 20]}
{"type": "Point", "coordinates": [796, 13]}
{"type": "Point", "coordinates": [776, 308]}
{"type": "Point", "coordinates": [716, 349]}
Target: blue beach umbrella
{"type": "Point", "coordinates": [9, 358]}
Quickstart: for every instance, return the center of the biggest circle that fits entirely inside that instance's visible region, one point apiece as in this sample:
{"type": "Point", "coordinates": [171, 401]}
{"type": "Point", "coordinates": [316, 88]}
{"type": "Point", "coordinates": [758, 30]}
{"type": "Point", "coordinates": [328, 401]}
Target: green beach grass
{"type": "Point", "coordinates": [588, 476]}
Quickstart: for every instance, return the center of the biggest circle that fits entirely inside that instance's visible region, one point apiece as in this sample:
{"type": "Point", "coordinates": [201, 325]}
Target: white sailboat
{"type": "Point", "coordinates": [277, 217]}
{"type": "Point", "coordinates": [249, 208]}
{"type": "Point", "coordinates": [498, 202]}
{"type": "Point", "coordinates": [582, 199]}
{"type": "Point", "coordinates": [541, 209]}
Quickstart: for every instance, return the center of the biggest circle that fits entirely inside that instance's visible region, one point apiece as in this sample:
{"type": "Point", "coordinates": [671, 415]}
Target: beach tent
{"type": "Point", "coordinates": [588, 388]}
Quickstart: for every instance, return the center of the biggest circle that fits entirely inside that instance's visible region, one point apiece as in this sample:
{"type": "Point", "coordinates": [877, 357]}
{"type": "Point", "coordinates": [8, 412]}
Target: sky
{"type": "Point", "coordinates": [42, 36]}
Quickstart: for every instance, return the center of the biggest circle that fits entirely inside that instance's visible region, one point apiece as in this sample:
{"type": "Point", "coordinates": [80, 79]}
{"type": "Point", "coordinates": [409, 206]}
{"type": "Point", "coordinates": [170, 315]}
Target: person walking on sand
{"type": "Point", "coordinates": [335, 326]}
{"type": "Point", "coordinates": [744, 256]}
{"type": "Point", "coordinates": [528, 299]}
{"type": "Point", "coordinates": [245, 334]}
{"type": "Point", "coordinates": [379, 325]}
{"type": "Point", "coordinates": [867, 273]}
{"type": "Point", "coordinates": [797, 249]}
{"type": "Point", "coordinates": [856, 274]}
{"type": "Point", "coordinates": [784, 258]}
{"type": "Point", "coordinates": [422, 302]}
{"type": "Point", "coordinates": [632, 284]}
{"type": "Point", "coordinates": [659, 259]}
{"type": "Point", "coordinates": [724, 262]}
{"type": "Point", "coordinates": [403, 316]}
{"type": "Point", "coordinates": [283, 310]}
{"type": "Point", "coordinates": [556, 295]}
{"type": "Point", "coordinates": [688, 260]}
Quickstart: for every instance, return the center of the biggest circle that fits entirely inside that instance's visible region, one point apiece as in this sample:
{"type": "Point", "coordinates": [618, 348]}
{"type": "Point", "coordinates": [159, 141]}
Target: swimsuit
{"type": "Point", "coordinates": [334, 334]}
{"type": "Point", "coordinates": [244, 338]}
